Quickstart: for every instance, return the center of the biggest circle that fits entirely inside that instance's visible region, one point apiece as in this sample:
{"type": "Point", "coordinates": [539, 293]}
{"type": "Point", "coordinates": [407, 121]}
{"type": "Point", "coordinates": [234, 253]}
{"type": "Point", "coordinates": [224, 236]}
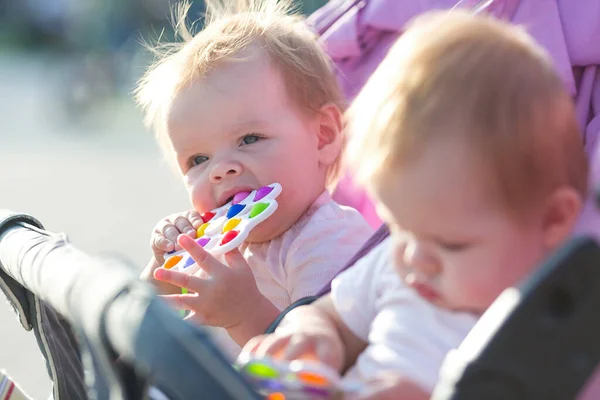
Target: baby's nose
{"type": "Point", "coordinates": [417, 258]}
{"type": "Point", "coordinates": [225, 170]}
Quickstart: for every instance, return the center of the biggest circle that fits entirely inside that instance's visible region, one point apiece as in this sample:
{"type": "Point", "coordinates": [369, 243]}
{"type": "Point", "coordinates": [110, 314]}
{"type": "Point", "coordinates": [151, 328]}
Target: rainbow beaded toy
{"type": "Point", "coordinates": [226, 227]}
{"type": "Point", "coordinates": [289, 380]}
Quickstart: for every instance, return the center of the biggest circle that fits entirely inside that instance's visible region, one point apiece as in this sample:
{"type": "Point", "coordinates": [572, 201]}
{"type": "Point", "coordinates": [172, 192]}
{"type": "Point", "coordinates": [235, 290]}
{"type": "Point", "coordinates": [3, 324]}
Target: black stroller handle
{"type": "Point", "coordinates": [119, 321]}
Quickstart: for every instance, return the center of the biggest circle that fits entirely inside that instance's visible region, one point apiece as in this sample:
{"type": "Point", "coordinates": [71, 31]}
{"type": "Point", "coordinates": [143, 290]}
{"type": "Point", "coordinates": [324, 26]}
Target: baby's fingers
{"type": "Point", "coordinates": [195, 219]}
{"type": "Point", "coordinates": [167, 230]}
{"type": "Point", "coordinates": [162, 244]}
{"type": "Point", "coordinates": [184, 226]}
{"type": "Point", "coordinates": [315, 348]}
{"type": "Point", "coordinates": [271, 345]}
{"type": "Point", "coordinates": [253, 344]}
{"type": "Point", "coordinates": [300, 347]}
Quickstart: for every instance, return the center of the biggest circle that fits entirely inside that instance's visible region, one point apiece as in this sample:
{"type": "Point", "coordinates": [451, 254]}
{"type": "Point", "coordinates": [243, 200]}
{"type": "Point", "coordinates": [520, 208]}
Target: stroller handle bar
{"type": "Point", "coordinates": [118, 317]}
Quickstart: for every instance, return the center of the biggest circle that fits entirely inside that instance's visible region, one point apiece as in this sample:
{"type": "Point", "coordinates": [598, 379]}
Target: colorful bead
{"type": "Point", "coordinates": [232, 223]}
{"type": "Point", "coordinates": [312, 379]}
{"type": "Point", "coordinates": [172, 261]}
{"type": "Point", "coordinates": [262, 192]}
{"type": "Point", "coordinates": [257, 209]}
{"type": "Point", "coordinates": [229, 236]}
{"type": "Point", "coordinates": [203, 241]}
{"type": "Point", "coordinates": [188, 262]}
{"type": "Point", "coordinates": [207, 216]}
{"type": "Point", "coordinates": [262, 370]}
{"type": "Point", "coordinates": [318, 391]}
{"type": "Point", "coordinates": [240, 197]}
{"type": "Point", "coordinates": [274, 385]}
{"type": "Point", "coordinates": [201, 229]}
{"type": "Point", "coordinates": [235, 210]}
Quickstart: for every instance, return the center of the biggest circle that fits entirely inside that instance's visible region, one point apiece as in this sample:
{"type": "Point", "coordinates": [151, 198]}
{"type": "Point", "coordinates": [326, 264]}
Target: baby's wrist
{"type": "Point", "coordinates": [256, 320]}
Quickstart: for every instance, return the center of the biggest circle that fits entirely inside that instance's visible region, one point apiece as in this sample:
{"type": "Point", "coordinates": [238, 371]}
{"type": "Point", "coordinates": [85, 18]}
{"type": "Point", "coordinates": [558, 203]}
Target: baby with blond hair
{"type": "Point", "coordinates": [248, 101]}
{"type": "Point", "coordinates": [468, 140]}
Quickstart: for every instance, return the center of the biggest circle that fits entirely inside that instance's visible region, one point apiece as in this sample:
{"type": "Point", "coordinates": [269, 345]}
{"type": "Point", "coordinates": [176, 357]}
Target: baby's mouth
{"type": "Point", "coordinates": [426, 291]}
{"type": "Point", "coordinates": [423, 289]}
{"type": "Point", "coordinates": [238, 195]}
{"type": "Point", "coordinates": [226, 201]}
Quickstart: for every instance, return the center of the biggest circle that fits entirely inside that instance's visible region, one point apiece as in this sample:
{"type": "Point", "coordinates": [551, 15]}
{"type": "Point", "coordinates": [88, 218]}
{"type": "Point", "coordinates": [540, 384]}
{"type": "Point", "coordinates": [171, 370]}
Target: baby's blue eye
{"type": "Point", "coordinates": [249, 139]}
{"type": "Point", "coordinates": [197, 160]}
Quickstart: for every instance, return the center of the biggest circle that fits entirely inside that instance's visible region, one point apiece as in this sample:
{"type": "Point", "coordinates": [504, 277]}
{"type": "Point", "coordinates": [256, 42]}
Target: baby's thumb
{"type": "Point", "coordinates": [161, 287]}
{"type": "Point", "coordinates": [159, 257]}
{"type": "Point", "coordinates": [161, 245]}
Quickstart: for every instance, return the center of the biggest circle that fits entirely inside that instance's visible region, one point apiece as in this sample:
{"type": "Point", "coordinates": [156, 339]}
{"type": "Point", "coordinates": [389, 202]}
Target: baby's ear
{"type": "Point", "coordinates": [560, 216]}
{"type": "Point", "coordinates": [330, 134]}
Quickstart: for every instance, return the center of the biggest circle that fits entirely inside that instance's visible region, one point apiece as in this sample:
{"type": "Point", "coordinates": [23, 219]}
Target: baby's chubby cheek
{"type": "Point", "coordinates": [481, 297]}
{"type": "Point", "coordinates": [201, 199]}
{"type": "Point", "coordinates": [478, 295]}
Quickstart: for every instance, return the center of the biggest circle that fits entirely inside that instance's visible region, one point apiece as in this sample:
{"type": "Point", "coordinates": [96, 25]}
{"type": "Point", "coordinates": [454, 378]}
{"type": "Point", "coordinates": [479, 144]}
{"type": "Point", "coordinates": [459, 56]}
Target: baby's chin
{"type": "Point", "coordinates": [459, 308]}
{"type": "Point", "coordinates": [267, 230]}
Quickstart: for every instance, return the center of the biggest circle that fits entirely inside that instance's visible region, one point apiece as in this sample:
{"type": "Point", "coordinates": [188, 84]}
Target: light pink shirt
{"type": "Point", "coordinates": [305, 257]}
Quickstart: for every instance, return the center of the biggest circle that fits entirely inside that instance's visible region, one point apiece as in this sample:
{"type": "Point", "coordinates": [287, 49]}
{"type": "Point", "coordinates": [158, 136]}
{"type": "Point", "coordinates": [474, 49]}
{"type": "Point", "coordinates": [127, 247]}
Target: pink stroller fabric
{"type": "Point", "coordinates": [357, 35]}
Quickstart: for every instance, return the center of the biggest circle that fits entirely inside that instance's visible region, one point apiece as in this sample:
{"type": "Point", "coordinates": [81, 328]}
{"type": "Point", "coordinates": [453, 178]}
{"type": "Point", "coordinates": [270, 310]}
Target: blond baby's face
{"type": "Point", "coordinates": [454, 244]}
{"type": "Point", "coordinates": [236, 130]}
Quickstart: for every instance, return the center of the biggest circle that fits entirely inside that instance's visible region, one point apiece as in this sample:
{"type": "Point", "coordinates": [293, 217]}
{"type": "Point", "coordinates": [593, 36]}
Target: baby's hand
{"type": "Point", "coordinates": [305, 338]}
{"type": "Point", "coordinates": [221, 295]}
{"type": "Point", "coordinates": [163, 240]}
{"type": "Point", "coordinates": [164, 236]}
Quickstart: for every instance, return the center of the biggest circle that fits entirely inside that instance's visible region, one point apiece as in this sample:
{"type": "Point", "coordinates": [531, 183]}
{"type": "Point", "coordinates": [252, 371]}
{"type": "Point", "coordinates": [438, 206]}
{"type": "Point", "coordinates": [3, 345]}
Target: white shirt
{"type": "Point", "coordinates": [405, 333]}
{"type": "Point", "coordinates": [305, 258]}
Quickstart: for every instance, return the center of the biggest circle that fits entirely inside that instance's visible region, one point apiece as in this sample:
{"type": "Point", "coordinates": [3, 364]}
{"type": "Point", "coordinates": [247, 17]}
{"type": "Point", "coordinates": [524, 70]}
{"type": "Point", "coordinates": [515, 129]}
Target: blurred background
{"type": "Point", "coordinates": [73, 150]}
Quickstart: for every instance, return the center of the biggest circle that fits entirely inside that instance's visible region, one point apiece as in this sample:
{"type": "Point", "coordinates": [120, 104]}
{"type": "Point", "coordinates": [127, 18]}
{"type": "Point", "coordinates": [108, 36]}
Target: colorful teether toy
{"type": "Point", "coordinates": [298, 379]}
{"type": "Point", "coordinates": [226, 227]}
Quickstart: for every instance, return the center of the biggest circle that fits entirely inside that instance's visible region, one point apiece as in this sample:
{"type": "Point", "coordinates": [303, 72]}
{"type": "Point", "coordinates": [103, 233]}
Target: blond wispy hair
{"type": "Point", "coordinates": [230, 27]}
{"type": "Point", "coordinates": [472, 77]}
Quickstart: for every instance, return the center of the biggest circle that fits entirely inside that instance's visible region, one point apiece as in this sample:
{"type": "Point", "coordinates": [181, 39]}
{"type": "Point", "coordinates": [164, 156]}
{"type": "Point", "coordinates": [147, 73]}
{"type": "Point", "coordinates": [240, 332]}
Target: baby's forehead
{"type": "Point", "coordinates": [242, 74]}
{"type": "Point", "coordinates": [237, 86]}
{"type": "Point", "coordinates": [440, 181]}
